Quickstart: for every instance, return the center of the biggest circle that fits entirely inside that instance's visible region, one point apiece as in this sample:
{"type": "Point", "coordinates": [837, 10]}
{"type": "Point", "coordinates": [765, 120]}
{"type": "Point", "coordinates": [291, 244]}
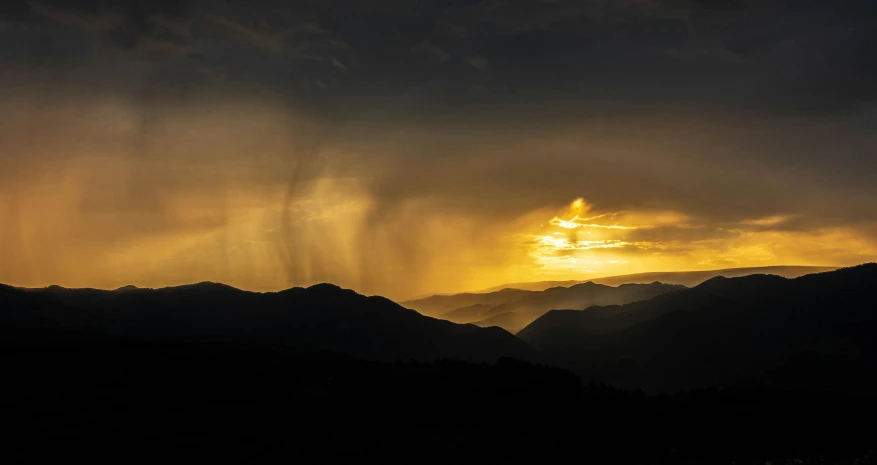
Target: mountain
{"type": "Point", "coordinates": [685, 278]}
{"type": "Point", "coordinates": [439, 305]}
{"type": "Point", "coordinates": [208, 372]}
{"type": "Point", "coordinates": [814, 331]}
{"type": "Point", "coordinates": [512, 309]}
{"type": "Point", "coordinates": [323, 317]}
{"type": "Point", "coordinates": [516, 315]}
{"type": "Point", "coordinates": [693, 278]}
{"type": "Point", "coordinates": [524, 302]}
{"type": "Point", "coordinates": [534, 286]}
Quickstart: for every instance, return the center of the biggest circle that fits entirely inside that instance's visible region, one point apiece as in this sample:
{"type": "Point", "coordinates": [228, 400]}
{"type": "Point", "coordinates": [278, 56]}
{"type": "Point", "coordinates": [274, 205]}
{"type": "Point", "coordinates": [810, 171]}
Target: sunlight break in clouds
{"type": "Point", "coordinates": [584, 243]}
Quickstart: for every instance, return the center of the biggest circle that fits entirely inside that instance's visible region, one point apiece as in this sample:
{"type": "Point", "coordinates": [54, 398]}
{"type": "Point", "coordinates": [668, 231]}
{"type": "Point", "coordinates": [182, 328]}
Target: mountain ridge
{"type": "Point", "coordinates": [323, 316]}
{"type": "Point", "coordinates": [685, 278]}
{"type": "Point", "coordinates": [513, 309]}
{"type": "Point", "coordinates": [723, 331]}
{"type": "Point", "coordinates": [516, 315]}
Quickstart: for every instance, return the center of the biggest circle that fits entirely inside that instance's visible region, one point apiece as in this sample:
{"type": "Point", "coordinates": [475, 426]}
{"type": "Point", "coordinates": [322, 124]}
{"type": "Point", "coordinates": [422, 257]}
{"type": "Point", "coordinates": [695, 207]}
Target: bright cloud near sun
{"type": "Point", "coordinates": [582, 242]}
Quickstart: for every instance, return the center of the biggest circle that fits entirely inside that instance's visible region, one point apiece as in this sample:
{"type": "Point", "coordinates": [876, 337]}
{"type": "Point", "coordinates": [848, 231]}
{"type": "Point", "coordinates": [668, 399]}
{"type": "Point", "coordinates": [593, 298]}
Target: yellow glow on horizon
{"type": "Point", "coordinates": [620, 242]}
{"type": "Point", "coordinates": [332, 241]}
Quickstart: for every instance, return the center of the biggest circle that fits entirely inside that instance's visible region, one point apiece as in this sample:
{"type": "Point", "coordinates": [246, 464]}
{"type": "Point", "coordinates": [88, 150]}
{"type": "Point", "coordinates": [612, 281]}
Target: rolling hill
{"type": "Point", "coordinates": [516, 315]}
{"type": "Point", "coordinates": [725, 331]}
{"type": "Point", "coordinates": [438, 305]}
{"type": "Point", "coordinates": [512, 309]}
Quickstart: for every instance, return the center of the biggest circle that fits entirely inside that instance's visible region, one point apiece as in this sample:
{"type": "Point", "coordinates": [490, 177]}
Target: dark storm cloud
{"type": "Point", "coordinates": [803, 56]}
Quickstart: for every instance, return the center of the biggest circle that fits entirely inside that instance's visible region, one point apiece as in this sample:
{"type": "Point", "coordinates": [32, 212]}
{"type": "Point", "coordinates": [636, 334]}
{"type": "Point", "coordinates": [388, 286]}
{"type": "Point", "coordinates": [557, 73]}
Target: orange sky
{"type": "Point", "coordinates": [92, 204]}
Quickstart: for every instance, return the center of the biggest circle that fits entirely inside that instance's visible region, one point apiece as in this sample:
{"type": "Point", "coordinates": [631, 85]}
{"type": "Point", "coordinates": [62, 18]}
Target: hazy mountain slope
{"type": "Point", "coordinates": [319, 317]}
{"type": "Point", "coordinates": [535, 286]}
{"type": "Point", "coordinates": [469, 314]}
{"type": "Point", "coordinates": [685, 278]}
{"type": "Point", "coordinates": [725, 331]}
{"type": "Point", "coordinates": [510, 321]}
{"type": "Point", "coordinates": [515, 316]}
{"type": "Point", "coordinates": [439, 305]}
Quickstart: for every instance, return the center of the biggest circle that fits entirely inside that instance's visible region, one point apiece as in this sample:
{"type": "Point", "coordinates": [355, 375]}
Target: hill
{"type": "Point", "coordinates": [512, 309]}
{"type": "Point", "coordinates": [515, 316]}
{"type": "Point", "coordinates": [438, 305]}
{"type": "Point", "coordinates": [684, 278]}
{"type": "Point", "coordinates": [814, 331]}
{"type": "Point", "coordinates": [319, 317]}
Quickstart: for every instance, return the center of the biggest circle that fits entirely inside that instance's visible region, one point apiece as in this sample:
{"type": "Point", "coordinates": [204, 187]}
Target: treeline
{"type": "Point", "coordinates": [69, 396]}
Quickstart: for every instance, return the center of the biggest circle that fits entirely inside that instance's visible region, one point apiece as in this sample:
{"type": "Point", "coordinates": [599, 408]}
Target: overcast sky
{"type": "Point", "coordinates": [404, 147]}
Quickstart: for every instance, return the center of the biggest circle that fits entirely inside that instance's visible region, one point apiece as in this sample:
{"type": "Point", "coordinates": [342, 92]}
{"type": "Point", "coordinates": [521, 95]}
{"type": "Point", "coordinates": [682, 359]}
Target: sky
{"type": "Point", "coordinates": [406, 147]}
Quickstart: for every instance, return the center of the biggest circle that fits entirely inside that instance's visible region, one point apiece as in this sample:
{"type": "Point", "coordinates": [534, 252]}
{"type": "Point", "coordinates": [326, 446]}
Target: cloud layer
{"type": "Point", "coordinates": [411, 147]}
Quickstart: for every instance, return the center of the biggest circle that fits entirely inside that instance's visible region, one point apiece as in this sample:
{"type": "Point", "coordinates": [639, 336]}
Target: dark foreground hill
{"type": "Point", "coordinates": [72, 397]}
{"type": "Point", "coordinates": [319, 317]}
{"type": "Point", "coordinates": [512, 309]}
{"type": "Point", "coordinates": [813, 332]}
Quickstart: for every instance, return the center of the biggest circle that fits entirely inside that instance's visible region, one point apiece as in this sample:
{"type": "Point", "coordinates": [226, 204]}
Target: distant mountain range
{"type": "Point", "coordinates": [685, 278]}
{"type": "Point", "coordinates": [321, 317]}
{"type": "Point", "coordinates": [514, 306]}
{"type": "Point", "coordinates": [513, 309]}
{"type": "Point", "coordinates": [813, 332]}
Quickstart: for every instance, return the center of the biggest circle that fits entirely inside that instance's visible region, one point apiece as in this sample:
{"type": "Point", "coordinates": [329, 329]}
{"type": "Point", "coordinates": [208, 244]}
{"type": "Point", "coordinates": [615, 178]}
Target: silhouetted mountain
{"type": "Point", "coordinates": [210, 373]}
{"type": "Point", "coordinates": [126, 288]}
{"type": "Point", "coordinates": [685, 278]}
{"type": "Point", "coordinates": [319, 317]}
{"type": "Point", "coordinates": [727, 330]}
{"type": "Point", "coordinates": [515, 316]}
{"type": "Point", "coordinates": [524, 302]}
